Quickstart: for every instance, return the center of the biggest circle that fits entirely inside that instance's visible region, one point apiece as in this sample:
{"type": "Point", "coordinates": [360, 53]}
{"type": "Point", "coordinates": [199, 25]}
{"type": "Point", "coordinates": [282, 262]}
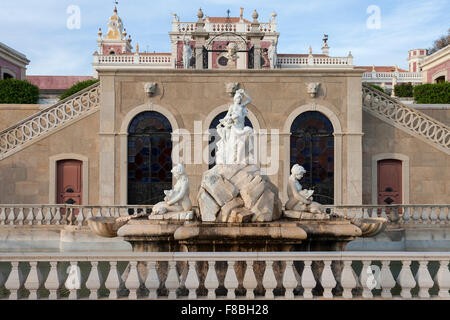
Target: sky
{"type": "Point", "coordinates": [376, 32]}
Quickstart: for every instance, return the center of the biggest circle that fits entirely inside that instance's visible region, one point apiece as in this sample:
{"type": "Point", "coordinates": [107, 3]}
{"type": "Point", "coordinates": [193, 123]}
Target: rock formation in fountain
{"type": "Point", "coordinates": [235, 190]}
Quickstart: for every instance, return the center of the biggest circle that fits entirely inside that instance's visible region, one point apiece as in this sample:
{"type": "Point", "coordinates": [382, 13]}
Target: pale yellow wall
{"type": "Point", "coordinates": [10, 114]}
{"type": "Point", "coordinates": [25, 175]}
{"type": "Point", "coordinates": [429, 176]}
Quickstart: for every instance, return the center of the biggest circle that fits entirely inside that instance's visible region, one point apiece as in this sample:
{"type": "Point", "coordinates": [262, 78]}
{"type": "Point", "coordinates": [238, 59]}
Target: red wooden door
{"type": "Point", "coordinates": [389, 182]}
{"type": "Point", "coordinates": [69, 186]}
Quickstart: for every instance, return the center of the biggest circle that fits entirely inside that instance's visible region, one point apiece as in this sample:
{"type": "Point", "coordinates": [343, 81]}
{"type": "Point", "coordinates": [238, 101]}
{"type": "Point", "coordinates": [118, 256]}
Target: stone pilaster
{"type": "Point", "coordinates": [107, 141]}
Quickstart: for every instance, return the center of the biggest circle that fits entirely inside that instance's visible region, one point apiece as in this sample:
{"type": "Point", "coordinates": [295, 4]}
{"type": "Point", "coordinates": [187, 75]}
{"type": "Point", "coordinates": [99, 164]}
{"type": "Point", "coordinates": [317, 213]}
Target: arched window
{"type": "Point", "coordinates": [213, 138]}
{"type": "Point", "coordinates": [312, 146]}
{"type": "Point", "coordinates": [149, 158]}
{"type": "Point", "coordinates": [7, 76]}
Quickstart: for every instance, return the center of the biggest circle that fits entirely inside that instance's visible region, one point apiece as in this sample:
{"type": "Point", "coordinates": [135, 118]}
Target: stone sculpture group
{"type": "Point", "coordinates": [234, 190]}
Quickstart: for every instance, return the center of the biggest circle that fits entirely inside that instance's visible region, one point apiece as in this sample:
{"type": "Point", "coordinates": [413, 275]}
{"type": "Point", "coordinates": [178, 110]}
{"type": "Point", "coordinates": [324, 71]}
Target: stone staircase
{"type": "Point", "coordinates": [49, 120]}
{"type": "Point", "coordinates": [406, 118]}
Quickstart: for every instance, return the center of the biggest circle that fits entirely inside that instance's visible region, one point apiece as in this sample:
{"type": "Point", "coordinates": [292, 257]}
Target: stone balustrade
{"type": "Point", "coordinates": [214, 27]}
{"type": "Point", "coordinates": [290, 61]}
{"type": "Point", "coordinates": [156, 60]}
{"type": "Point", "coordinates": [235, 275]}
{"type": "Point", "coordinates": [59, 214]}
{"type": "Point", "coordinates": [415, 77]}
{"type": "Point", "coordinates": [405, 118]}
{"type": "Point", "coordinates": [56, 116]}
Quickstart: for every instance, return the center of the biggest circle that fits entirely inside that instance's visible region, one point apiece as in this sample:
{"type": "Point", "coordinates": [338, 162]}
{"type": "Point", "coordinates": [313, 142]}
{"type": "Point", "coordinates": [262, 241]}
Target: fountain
{"type": "Point", "coordinates": [239, 208]}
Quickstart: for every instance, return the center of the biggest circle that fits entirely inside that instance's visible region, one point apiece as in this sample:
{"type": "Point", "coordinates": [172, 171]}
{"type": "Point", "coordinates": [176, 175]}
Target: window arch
{"type": "Point", "coordinates": [149, 158]}
{"type": "Point", "coordinates": [312, 146]}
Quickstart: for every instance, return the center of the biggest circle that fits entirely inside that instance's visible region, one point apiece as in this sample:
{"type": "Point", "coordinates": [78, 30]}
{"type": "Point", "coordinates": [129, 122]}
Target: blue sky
{"type": "Point", "coordinates": [39, 28]}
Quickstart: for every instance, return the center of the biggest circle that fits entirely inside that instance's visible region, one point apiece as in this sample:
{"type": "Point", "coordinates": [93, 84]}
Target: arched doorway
{"type": "Point", "coordinates": [213, 137]}
{"type": "Point", "coordinates": [69, 184]}
{"type": "Point", "coordinates": [312, 146]}
{"type": "Point", "coordinates": [149, 158]}
{"type": "Point", "coordinates": [389, 188]}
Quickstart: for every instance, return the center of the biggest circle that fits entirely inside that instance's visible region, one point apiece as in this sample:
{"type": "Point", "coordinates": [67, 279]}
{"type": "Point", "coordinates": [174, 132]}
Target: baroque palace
{"type": "Point", "coordinates": [116, 142]}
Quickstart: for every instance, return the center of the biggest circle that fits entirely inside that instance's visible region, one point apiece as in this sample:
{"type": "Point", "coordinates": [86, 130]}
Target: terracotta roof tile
{"type": "Point", "coordinates": [56, 82]}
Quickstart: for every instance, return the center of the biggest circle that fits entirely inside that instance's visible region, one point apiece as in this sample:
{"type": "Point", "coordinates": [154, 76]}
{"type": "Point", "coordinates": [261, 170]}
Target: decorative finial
{"type": "Point", "coordinates": [325, 39]}
{"type": "Point", "coordinates": [241, 15]}
{"type": "Point", "coordinates": [310, 50]}
{"type": "Point", "coordinates": [228, 13]}
{"type": "Point", "coordinates": [255, 15]}
{"type": "Point", "coordinates": [274, 15]}
{"type": "Point", "coordinates": [100, 32]}
{"type": "Point", "coordinates": [137, 47]}
{"type": "Point", "coordinates": [373, 68]}
{"type": "Point", "coordinates": [125, 32]}
{"type": "Point", "coordinates": [200, 13]}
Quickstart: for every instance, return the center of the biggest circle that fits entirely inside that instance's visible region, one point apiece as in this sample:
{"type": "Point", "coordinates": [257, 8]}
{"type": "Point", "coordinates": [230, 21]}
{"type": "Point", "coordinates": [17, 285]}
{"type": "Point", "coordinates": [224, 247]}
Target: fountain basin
{"type": "Point", "coordinates": [370, 227]}
{"type": "Point", "coordinates": [105, 226]}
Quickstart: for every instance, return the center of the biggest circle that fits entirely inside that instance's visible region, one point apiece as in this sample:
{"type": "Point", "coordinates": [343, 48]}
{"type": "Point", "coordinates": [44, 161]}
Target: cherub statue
{"type": "Point", "coordinates": [187, 53]}
{"type": "Point", "coordinates": [177, 199]}
{"type": "Point", "coordinates": [272, 53]}
{"type": "Point", "coordinates": [300, 199]}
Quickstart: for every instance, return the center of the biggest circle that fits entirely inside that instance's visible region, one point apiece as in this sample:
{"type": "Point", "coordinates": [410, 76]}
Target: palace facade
{"type": "Point", "coordinates": [116, 142]}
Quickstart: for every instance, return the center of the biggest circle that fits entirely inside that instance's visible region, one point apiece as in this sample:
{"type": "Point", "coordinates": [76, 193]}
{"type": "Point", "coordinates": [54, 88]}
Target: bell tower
{"type": "Point", "coordinates": [115, 40]}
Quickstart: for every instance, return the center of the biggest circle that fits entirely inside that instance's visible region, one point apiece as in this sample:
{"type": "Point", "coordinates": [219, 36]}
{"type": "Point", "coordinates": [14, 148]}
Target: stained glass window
{"type": "Point", "coordinates": [214, 136]}
{"type": "Point", "coordinates": [149, 158]}
{"type": "Point", "coordinates": [312, 146]}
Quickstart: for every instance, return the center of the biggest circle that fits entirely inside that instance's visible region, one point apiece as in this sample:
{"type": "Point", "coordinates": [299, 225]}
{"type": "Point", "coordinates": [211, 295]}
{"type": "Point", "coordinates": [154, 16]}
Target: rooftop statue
{"type": "Point", "coordinates": [234, 147]}
{"type": "Point", "coordinates": [187, 53]}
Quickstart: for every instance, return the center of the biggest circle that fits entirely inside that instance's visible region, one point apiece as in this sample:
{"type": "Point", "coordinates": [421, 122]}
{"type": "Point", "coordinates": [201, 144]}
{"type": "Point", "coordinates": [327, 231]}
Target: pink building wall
{"type": "Point", "coordinates": [443, 66]}
{"type": "Point", "coordinates": [8, 65]}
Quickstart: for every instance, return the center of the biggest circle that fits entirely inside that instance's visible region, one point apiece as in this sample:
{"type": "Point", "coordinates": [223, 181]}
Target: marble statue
{"type": "Point", "coordinates": [177, 199]}
{"type": "Point", "coordinates": [231, 54]}
{"type": "Point", "coordinates": [187, 54]}
{"type": "Point", "coordinates": [272, 53]}
{"type": "Point", "coordinates": [234, 146]}
{"type": "Point", "coordinates": [300, 199]}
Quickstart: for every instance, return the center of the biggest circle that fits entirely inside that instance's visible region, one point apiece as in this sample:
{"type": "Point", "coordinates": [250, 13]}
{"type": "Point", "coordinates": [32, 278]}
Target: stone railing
{"type": "Point", "coordinates": [28, 130]}
{"type": "Point", "coordinates": [235, 275]}
{"type": "Point", "coordinates": [415, 214]}
{"type": "Point", "coordinates": [406, 118]}
{"type": "Point", "coordinates": [387, 76]}
{"type": "Point", "coordinates": [158, 60]}
{"type": "Point", "coordinates": [285, 62]}
{"type": "Point", "coordinates": [60, 214]}
{"type": "Point", "coordinates": [214, 27]}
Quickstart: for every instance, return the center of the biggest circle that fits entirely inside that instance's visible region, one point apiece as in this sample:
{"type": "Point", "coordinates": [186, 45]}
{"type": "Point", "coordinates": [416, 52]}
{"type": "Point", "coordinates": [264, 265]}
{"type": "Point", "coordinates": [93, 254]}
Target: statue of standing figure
{"type": "Point", "coordinates": [300, 199]}
{"type": "Point", "coordinates": [187, 53]}
{"type": "Point", "coordinates": [235, 147]}
{"type": "Point", "coordinates": [177, 199]}
{"type": "Point", "coordinates": [272, 53]}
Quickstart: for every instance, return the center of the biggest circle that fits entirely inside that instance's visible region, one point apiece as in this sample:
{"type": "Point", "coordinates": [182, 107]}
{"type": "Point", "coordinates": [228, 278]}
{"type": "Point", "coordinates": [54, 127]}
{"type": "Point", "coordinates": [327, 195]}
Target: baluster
{"type": "Point", "coordinates": [132, 283]}
{"type": "Point", "coordinates": [359, 213]}
{"type": "Point", "coordinates": [73, 281]}
{"type": "Point", "coordinates": [364, 279]}
{"type": "Point", "coordinates": [374, 213]}
{"type": "Point", "coordinates": [231, 281]}
{"type": "Point", "coordinates": [57, 216]}
{"type": "Point", "coordinates": [13, 283]}
{"type": "Point", "coordinates": [33, 281]}
{"type": "Point", "coordinates": [112, 282]}
{"type": "Point", "coordinates": [20, 216]}
{"type": "Point", "coordinates": [152, 281]}
{"type": "Point", "coordinates": [425, 215]}
{"type": "Point", "coordinates": [387, 280]}
{"type": "Point", "coordinates": [192, 282]}
{"type": "Point", "coordinates": [348, 280]}
{"type": "Point", "coordinates": [406, 279]}
{"type": "Point", "coordinates": [89, 213]}
{"type": "Point", "coordinates": [47, 218]}
{"type": "Point", "coordinates": [11, 216]}
{"type": "Point", "coordinates": [52, 283]}
{"type": "Point", "coordinates": [383, 213]}
{"type": "Point", "coordinates": [93, 281]}
{"type": "Point", "coordinates": [448, 213]}
{"type": "Point", "coordinates": [327, 280]}
{"type": "Point", "coordinates": [433, 215]}
{"type": "Point", "coordinates": [172, 281]}
{"type": "Point", "coordinates": [308, 282]}
{"type": "Point", "coordinates": [2, 216]}
{"type": "Point", "coordinates": [269, 280]}
{"type": "Point", "coordinates": [442, 278]}
{"type": "Point", "coordinates": [80, 217]}
{"type": "Point", "coordinates": [289, 280]}
{"type": "Point", "coordinates": [416, 215]}
{"type": "Point", "coordinates": [30, 216]}
{"type": "Point", "coordinates": [406, 216]}
{"type": "Point", "coordinates": [442, 215]}
{"type": "Point", "coordinates": [211, 281]}
{"type": "Point", "coordinates": [108, 212]}
{"type": "Point", "coordinates": [424, 280]}
{"type": "Point", "coordinates": [365, 212]}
